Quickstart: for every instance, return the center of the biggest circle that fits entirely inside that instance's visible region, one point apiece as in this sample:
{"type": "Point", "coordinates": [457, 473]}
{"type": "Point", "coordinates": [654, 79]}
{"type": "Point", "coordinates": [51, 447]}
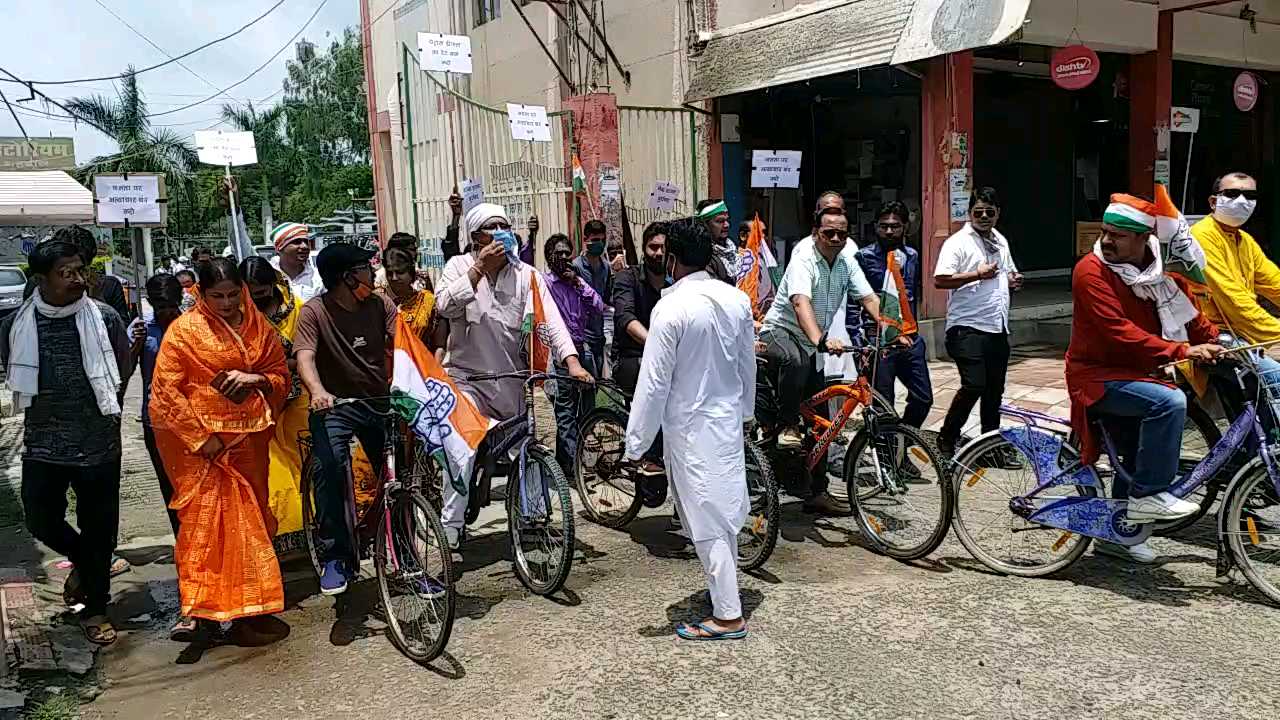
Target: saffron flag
{"type": "Point", "coordinates": [579, 177]}
{"type": "Point", "coordinates": [895, 309]}
{"type": "Point", "coordinates": [1182, 253]}
{"type": "Point", "coordinates": [749, 265]}
{"type": "Point", "coordinates": [426, 398]}
{"type": "Point", "coordinates": [535, 328]}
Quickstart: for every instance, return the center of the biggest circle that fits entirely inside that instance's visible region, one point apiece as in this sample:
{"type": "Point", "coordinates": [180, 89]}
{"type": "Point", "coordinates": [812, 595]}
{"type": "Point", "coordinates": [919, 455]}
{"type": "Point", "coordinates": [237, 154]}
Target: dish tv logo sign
{"type": "Point", "coordinates": [1074, 67]}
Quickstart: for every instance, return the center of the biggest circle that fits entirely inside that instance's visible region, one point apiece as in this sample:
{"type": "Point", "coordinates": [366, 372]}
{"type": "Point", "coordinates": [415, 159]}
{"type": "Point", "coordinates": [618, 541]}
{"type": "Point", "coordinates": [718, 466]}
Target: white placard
{"type": "Point", "coordinates": [472, 194]}
{"type": "Point", "coordinates": [136, 199]}
{"type": "Point", "coordinates": [775, 168]}
{"type": "Point", "coordinates": [1184, 119]}
{"type": "Point", "coordinates": [226, 147]}
{"type": "Point", "coordinates": [445, 53]}
{"type": "Point", "coordinates": [664, 196]}
{"type": "Point", "coordinates": [529, 122]}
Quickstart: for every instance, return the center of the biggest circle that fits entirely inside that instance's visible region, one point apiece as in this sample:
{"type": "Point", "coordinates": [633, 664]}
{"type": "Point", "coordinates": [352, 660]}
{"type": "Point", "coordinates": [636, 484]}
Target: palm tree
{"type": "Point", "coordinates": [142, 148]}
{"type": "Point", "coordinates": [274, 170]}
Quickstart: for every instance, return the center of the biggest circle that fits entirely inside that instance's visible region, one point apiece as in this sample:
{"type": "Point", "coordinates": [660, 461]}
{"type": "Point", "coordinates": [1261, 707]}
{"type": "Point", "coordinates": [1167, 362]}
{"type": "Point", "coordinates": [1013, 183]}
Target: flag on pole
{"type": "Point", "coordinates": [428, 401]}
{"type": "Point", "coordinates": [535, 328]}
{"type": "Point", "coordinates": [1182, 253]}
{"type": "Point", "coordinates": [895, 310]}
{"type": "Point", "coordinates": [750, 260]}
{"type": "Point", "coordinates": [579, 177]}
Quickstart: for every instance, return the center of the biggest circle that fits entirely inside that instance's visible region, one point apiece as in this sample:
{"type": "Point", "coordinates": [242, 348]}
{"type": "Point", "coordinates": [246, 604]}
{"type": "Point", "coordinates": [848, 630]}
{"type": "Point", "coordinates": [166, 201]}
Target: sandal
{"type": "Point", "coordinates": [699, 631]}
{"type": "Point", "coordinates": [98, 630]}
{"type": "Point", "coordinates": [72, 592]}
{"type": "Point", "coordinates": [119, 566]}
{"type": "Point", "coordinates": [185, 630]}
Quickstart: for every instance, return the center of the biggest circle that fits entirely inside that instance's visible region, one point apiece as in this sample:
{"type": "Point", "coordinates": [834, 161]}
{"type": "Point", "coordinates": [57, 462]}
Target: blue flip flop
{"type": "Point", "coordinates": [688, 631]}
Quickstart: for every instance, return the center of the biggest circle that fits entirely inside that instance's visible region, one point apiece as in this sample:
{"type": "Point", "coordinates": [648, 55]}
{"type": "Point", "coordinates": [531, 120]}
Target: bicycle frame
{"type": "Point", "coordinates": [824, 430]}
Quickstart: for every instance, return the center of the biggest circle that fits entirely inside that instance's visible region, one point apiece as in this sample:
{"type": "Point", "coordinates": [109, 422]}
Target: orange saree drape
{"type": "Point", "coordinates": [226, 565]}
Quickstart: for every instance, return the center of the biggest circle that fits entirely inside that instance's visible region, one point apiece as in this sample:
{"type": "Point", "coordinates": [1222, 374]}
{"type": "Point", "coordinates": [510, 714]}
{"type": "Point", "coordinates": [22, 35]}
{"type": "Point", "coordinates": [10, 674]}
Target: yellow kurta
{"type": "Point", "coordinates": [285, 474]}
{"type": "Point", "coordinates": [1237, 272]}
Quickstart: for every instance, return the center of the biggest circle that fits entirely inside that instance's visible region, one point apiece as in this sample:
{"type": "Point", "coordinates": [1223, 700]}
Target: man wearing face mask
{"type": "Point", "coordinates": [596, 272]}
{"type": "Point", "coordinates": [342, 344]}
{"type": "Point", "coordinates": [482, 294]}
{"type": "Point", "coordinates": [1236, 270]}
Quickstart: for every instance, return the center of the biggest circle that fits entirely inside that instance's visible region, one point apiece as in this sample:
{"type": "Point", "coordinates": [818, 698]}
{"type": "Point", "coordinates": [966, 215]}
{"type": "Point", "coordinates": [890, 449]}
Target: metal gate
{"type": "Point", "coordinates": [657, 144]}
{"type": "Point", "coordinates": [450, 137]}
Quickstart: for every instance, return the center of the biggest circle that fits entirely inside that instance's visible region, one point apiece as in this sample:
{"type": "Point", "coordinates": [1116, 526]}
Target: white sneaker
{"type": "Point", "coordinates": [453, 536]}
{"type": "Point", "coordinates": [1140, 553]}
{"type": "Point", "coordinates": [1161, 506]}
{"type": "Point", "coordinates": [790, 437]}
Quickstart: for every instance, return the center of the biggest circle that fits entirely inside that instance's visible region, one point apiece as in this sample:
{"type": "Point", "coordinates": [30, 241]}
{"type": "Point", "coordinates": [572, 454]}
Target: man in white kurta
{"type": "Point", "coordinates": [482, 294]}
{"type": "Point", "coordinates": [697, 382]}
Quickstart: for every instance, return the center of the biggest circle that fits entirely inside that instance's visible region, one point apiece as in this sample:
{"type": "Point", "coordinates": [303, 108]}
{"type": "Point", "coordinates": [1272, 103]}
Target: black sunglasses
{"type": "Point", "coordinates": [1234, 193]}
{"type": "Point", "coordinates": [984, 212]}
{"type": "Point", "coordinates": [829, 233]}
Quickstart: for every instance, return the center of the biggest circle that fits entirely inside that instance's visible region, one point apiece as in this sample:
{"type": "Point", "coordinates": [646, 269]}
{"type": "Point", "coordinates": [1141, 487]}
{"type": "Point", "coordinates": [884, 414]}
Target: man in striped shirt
{"type": "Point", "coordinates": [818, 281]}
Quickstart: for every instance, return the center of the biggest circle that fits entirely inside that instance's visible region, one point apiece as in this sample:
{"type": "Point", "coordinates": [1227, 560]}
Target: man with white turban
{"type": "Point", "coordinates": [482, 294]}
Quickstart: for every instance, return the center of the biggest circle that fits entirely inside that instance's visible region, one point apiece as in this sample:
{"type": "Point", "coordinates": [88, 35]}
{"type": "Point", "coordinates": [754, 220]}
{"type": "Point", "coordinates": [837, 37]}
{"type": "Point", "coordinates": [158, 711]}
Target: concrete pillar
{"type": "Point", "coordinates": [1150, 99]}
{"type": "Point", "coordinates": [595, 137]}
{"type": "Point", "coordinates": [947, 143]}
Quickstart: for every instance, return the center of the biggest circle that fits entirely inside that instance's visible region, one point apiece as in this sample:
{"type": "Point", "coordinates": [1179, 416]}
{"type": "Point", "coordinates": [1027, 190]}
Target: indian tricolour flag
{"type": "Point", "coordinates": [895, 311]}
{"type": "Point", "coordinates": [439, 414]}
{"type": "Point", "coordinates": [535, 328]}
{"type": "Point", "coordinates": [579, 177]}
{"type": "Point", "coordinates": [1182, 252]}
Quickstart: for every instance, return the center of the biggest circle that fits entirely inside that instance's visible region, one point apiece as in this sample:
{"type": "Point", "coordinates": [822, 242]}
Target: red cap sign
{"type": "Point", "coordinates": [1074, 67]}
{"type": "Point", "coordinates": [1245, 91]}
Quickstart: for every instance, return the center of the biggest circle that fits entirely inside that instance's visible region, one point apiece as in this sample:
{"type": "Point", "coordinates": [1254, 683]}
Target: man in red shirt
{"type": "Point", "coordinates": [1130, 318]}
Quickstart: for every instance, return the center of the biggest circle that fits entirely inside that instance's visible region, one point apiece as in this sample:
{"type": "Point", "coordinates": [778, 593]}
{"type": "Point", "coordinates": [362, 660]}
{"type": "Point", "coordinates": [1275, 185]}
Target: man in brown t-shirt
{"type": "Point", "coordinates": [343, 344]}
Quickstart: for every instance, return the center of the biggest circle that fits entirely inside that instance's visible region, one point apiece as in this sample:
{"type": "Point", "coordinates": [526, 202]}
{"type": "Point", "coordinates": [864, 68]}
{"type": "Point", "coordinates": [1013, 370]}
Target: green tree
{"type": "Point", "coordinates": [324, 101]}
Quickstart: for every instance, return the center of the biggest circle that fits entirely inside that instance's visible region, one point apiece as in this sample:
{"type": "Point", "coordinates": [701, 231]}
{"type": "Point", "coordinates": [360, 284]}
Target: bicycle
{"type": "Point", "coordinates": [885, 465]}
{"type": "Point", "coordinates": [539, 507]}
{"type": "Point", "coordinates": [607, 484]}
{"type": "Point", "coordinates": [1065, 505]}
{"type": "Point", "coordinates": [401, 533]}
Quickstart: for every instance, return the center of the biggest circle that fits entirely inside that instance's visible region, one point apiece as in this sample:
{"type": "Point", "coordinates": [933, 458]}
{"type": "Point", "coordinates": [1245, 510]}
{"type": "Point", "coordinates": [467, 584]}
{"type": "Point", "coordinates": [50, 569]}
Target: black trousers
{"type": "Point", "coordinates": [331, 435]}
{"type": "Point", "coordinates": [166, 486]}
{"type": "Point", "coordinates": [983, 360]}
{"type": "Point", "coordinates": [44, 502]}
{"type": "Point", "coordinates": [626, 373]}
{"type": "Point", "coordinates": [793, 371]}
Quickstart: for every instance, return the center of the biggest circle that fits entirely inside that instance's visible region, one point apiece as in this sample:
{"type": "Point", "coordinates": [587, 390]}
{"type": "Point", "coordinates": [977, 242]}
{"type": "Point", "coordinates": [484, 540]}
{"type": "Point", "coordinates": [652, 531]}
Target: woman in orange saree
{"type": "Point", "coordinates": [219, 382]}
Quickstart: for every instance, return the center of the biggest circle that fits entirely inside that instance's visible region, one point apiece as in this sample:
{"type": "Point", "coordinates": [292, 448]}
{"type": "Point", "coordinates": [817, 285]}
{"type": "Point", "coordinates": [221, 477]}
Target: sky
{"type": "Point", "coordinates": [72, 39]}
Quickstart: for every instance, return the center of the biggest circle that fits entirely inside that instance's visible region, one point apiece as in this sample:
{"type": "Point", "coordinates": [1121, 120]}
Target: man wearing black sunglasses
{"type": "Point", "coordinates": [1236, 270]}
{"type": "Point", "coordinates": [976, 266]}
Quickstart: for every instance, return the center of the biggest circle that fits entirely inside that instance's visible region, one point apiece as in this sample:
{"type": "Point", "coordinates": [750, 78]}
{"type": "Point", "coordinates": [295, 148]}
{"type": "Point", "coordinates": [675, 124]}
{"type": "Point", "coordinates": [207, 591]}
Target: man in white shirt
{"type": "Point", "coordinates": [697, 382]}
{"type": "Point", "coordinates": [976, 266]}
{"type": "Point", "coordinates": [293, 258]}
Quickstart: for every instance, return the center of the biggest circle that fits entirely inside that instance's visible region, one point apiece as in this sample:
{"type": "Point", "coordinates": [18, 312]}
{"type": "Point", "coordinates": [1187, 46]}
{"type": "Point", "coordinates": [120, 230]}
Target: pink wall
{"type": "Point", "coordinates": [595, 137]}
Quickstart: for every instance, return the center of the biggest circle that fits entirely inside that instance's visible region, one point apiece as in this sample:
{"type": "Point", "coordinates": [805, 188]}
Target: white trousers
{"type": "Point", "coordinates": [719, 559]}
{"type": "Point", "coordinates": [454, 511]}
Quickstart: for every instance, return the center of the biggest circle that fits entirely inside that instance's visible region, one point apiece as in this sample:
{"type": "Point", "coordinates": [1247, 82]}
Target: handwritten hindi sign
{"type": "Point", "coordinates": [225, 147]}
{"type": "Point", "coordinates": [775, 168]}
{"type": "Point", "coordinates": [529, 122]}
{"type": "Point", "coordinates": [136, 200]}
{"type": "Point", "coordinates": [664, 196]}
{"type": "Point", "coordinates": [472, 194]}
{"type": "Point", "coordinates": [445, 53]}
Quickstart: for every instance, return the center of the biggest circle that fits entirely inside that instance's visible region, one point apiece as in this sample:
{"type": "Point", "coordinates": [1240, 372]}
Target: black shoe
{"type": "Point", "coordinates": [1005, 458]}
{"type": "Point", "coordinates": [946, 449]}
{"type": "Point", "coordinates": [652, 489]}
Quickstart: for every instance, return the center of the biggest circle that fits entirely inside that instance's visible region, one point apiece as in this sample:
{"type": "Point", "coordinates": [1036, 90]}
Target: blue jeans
{"type": "Point", "coordinates": [331, 435]}
{"type": "Point", "coordinates": [1162, 411]}
{"type": "Point", "coordinates": [572, 401]}
{"type": "Point", "coordinates": [911, 367]}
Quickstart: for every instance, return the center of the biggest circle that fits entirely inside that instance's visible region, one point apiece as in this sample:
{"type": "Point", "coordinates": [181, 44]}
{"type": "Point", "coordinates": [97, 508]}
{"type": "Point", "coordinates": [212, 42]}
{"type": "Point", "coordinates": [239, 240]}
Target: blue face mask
{"type": "Point", "coordinates": [508, 240]}
{"type": "Point", "coordinates": [595, 248]}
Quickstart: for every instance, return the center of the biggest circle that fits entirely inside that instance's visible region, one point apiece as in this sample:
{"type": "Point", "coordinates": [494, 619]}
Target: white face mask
{"type": "Point", "coordinates": [1234, 212]}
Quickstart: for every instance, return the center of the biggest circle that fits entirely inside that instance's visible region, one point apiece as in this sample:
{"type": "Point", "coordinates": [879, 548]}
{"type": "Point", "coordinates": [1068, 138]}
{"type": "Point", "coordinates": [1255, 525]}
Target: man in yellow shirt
{"type": "Point", "coordinates": [1236, 270]}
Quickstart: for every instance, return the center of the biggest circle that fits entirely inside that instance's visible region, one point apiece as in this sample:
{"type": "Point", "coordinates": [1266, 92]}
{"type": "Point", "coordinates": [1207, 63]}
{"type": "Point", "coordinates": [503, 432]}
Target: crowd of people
{"type": "Point", "coordinates": [238, 358]}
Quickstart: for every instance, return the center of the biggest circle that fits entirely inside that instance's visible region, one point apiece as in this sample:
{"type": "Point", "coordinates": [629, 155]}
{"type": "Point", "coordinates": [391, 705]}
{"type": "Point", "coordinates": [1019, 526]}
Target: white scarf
{"type": "Point", "coordinates": [1173, 307]}
{"type": "Point", "coordinates": [96, 351]}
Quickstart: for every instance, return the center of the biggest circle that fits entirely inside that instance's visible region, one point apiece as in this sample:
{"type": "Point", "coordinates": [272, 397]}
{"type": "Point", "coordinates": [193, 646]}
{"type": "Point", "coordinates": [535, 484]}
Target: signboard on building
{"type": "Point", "coordinates": [1074, 67]}
{"type": "Point", "coordinates": [226, 147]}
{"type": "Point", "coordinates": [1184, 119]}
{"type": "Point", "coordinates": [775, 168]}
{"type": "Point", "coordinates": [137, 200]}
{"type": "Point", "coordinates": [41, 154]}
{"type": "Point", "coordinates": [529, 122]}
{"type": "Point", "coordinates": [1245, 91]}
{"type": "Point", "coordinates": [445, 53]}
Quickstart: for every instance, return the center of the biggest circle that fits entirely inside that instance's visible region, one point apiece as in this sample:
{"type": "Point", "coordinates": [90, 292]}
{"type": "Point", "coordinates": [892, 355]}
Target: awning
{"type": "Point", "coordinates": [49, 197]}
{"type": "Point", "coordinates": [834, 36]}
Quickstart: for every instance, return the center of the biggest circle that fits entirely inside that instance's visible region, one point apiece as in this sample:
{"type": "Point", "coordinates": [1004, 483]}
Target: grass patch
{"type": "Point", "coordinates": [63, 706]}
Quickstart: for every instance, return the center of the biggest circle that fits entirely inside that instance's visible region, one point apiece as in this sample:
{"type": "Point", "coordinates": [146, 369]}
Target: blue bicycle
{"type": "Point", "coordinates": [1037, 517]}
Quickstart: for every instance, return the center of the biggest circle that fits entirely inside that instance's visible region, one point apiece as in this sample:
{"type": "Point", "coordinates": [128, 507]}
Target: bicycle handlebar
{"type": "Point", "coordinates": [528, 377]}
{"type": "Point", "coordinates": [339, 402]}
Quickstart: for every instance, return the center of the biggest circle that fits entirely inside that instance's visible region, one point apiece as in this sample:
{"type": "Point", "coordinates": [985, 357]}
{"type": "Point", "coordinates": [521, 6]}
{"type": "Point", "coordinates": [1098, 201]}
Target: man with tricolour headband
{"type": "Point", "coordinates": [1130, 318]}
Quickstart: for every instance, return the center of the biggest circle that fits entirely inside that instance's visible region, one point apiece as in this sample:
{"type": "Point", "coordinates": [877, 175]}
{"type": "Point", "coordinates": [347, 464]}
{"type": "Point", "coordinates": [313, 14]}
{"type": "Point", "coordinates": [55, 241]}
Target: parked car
{"type": "Point", "coordinates": [12, 282]}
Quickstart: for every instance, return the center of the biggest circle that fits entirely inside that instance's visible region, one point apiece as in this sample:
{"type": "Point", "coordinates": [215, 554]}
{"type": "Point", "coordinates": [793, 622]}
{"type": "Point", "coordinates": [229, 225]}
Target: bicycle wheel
{"type": "Point", "coordinates": [899, 490]}
{"type": "Point", "coordinates": [540, 519]}
{"type": "Point", "coordinates": [983, 482]}
{"type": "Point", "coordinates": [415, 574]}
{"type": "Point", "coordinates": [1199, 435]}
{"type": "Point", "coordinates": [1251, 529]}
{"type": "Point", "coordinates": [759, 534]}
{"type": "Point", "coordinates": [608, 494]}
{"type": "Point", "coordinates": [310, 526]}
